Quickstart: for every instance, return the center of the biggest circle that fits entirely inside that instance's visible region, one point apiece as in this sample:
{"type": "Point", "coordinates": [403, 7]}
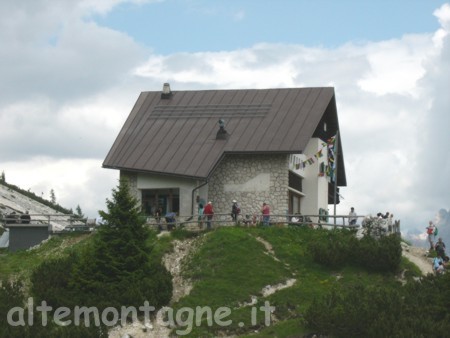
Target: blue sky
{"type": "Point", "coordinates": [194, 26]}
{"type": "Point", "coordinates": [72, 71]}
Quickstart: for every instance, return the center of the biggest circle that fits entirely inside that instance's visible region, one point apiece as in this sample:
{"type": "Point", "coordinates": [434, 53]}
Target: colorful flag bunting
{"type": "Point", "coordinates": [329, 169]}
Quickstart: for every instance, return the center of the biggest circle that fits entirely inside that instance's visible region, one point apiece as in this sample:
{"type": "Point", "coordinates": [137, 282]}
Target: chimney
{"type": "Point", "coordinates": [222, 133]}
{"type": "Point", "coordinates": [166, 92]}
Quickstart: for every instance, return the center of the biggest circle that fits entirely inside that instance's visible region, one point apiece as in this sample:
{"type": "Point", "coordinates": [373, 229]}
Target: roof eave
{"type": "Point", "coordinates": [142, 171]}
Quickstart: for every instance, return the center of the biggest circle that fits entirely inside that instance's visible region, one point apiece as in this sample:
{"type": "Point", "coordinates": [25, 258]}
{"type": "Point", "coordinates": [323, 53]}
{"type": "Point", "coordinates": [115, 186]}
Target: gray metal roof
{"type": "Point", "coordinates": [177, 136]}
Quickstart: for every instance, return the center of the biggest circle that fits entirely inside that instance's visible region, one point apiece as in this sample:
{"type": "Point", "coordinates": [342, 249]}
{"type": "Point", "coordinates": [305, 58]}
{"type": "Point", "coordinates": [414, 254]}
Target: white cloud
{"type": "Point", "coordinates": [75, 182]}
{"type": "Point", "coordinates": [230, 69]}
{"type": "Point", "coordinates": [396, 65]}
{"type": "Point", "coordinates": [54, 52]}
{"type": "Point", "coordinates": [68, 85]}
{"type": "Point", "coordinates": [239, 15]}
{"type": "Point", "coordinates": [443, 15]}
{"type": "Point", "coordinates": [64, 94]}
{"type": "Point", "coordinates": [432, 182]}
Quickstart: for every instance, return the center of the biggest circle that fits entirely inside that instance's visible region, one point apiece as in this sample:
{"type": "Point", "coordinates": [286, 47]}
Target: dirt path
{"type": "Point", "coordinates": [418, 256]}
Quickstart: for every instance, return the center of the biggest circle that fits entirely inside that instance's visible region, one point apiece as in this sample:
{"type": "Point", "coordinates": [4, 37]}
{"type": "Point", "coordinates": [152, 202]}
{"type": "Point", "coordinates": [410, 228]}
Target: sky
{"type": "Point", "coordinates": [71, 72]}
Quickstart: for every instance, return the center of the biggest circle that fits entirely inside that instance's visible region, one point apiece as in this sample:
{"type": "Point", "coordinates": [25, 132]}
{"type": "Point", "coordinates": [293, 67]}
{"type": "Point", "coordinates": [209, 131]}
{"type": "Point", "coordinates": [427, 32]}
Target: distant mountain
{"type": "Point", "coordinates": [13, 200]}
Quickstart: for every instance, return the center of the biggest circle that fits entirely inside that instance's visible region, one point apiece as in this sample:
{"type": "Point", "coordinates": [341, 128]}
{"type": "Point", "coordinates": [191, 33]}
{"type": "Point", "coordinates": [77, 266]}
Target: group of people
{"type": "Point", "coordinates": [385, 222]}
{"type": "Point", "coordinates": [380, 215]}
{"type": "Point", "coordinates": [353, 217]}
{"type": "Point", "coordinates": [265, 214]}
{"type": "Point", "coordinates": [441, 260]}
{"type": "Point", "coordinates": [206, 213]}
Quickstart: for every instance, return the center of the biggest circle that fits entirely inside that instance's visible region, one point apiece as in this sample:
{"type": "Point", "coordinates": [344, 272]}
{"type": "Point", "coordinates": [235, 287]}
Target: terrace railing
{"type": "Point", "coordinates": [190, 222]}
{"type": "Point", "coordinates": [56, 222]}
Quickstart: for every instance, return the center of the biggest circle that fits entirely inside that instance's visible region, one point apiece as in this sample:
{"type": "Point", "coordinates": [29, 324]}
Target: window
{"type": "Point", "coordinates": [167, 199]}
{"type": "Point", "coordinates": [294, 203]}
{"type": "Point", "coordinates": [295, 181]}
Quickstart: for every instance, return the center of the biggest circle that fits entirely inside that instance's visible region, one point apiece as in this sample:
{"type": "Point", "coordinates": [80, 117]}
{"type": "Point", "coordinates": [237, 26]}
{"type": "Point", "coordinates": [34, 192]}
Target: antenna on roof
{"type": "Point", "coordinates": [166, 92]}
{"type": "Point", "coordinates": [222, 133]}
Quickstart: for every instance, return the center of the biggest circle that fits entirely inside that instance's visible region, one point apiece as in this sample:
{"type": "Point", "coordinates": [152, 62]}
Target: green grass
{"type": "Point", "coordinates": [216, 268]}
{"type": "Point", "coordinates": [20, 264]}
{"type": "Point", "coordinates": [228, 267]}
{"type": "Point", "coordinates": [232, 265]}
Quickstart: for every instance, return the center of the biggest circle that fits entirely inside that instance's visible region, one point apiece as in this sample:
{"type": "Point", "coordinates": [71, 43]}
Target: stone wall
{"type": "Point", "coordinates": [251, 180]}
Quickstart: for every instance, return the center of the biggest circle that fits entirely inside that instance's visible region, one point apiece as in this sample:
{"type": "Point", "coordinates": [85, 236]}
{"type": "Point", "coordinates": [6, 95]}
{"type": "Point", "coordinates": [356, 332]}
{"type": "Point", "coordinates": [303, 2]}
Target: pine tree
{"type": "Point", "coordinates": [3, 178]}
{"type": "Point", "coordinates": [52, 196]}
{"type": "Point", "coordinates": [119, 270]}
{"type": "Point", "coordinates": [79, 212]}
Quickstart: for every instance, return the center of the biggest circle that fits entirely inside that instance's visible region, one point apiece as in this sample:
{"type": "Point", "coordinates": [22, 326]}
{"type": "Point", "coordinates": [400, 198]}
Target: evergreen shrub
{"type": "Point", "coordinates": [334, 249]}
{"type": "Point", "coordinates": [340, 247]}
{"type": "Point", "coordinates": [418, 309]}
{"type": "Point", "coordinates": [118, 270]}
{"type": "Point", "coordinates": [355, 311]}
{"type": "Point", "coordinates": [380, 255]}
{"type": "Point", "coordinates": [11, 295]}
{"type": "Point", "coordinates": [50, 281]}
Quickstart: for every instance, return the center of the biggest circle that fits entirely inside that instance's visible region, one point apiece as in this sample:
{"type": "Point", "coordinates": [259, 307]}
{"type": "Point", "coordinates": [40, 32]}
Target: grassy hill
{"type": "Point", "coordinates": [234, 266]}
{"type": "Point", "coordinates": [237, 268]}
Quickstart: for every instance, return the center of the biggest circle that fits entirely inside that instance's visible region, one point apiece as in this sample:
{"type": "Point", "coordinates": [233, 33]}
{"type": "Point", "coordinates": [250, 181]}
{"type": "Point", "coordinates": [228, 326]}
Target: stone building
{"type": "Point", "coordinates": [182, 148]}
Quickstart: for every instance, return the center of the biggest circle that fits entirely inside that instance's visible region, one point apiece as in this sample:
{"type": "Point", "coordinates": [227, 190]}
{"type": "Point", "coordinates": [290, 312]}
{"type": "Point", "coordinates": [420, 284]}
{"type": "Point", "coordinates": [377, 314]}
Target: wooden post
{"type": "Point", "coordinates": [336, 146]}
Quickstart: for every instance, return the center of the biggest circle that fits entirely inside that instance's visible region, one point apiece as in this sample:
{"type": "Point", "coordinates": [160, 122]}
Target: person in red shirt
{"type": "Point", "coordinates": [430, 232]}
{"type": "Point", "coordinates": [266, 214]}
{"type": "Point", "coordinates": [209, 213]}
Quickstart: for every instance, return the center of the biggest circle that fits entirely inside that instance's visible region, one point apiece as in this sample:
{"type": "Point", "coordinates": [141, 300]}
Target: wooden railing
{"type": "Point", "coordinates": [192, 222]}
{"type": "Point", "coordinates": [64, 223]}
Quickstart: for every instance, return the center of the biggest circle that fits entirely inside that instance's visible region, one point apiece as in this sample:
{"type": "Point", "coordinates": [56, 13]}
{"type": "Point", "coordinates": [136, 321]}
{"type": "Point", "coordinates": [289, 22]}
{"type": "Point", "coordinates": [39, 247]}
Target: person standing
{"type": "Point", "coordinates": [389, 222]}
{"type": "Point", "coordinates": [265, 210]}
{"type": "Point", "coordinates": [430, 233]}
{"type": "Point", "coordinates": [235, 210]}
{"type": "Point", "coordinates": [209, 213]}
{"type": "Point", "coordinates": [158, 214]}
{"type": "Point", "coordinates": [352, 217]}
{"type": "Point", "coordinates": [201, 212]}
{"type": "Point", "coordinates": [440, 248]}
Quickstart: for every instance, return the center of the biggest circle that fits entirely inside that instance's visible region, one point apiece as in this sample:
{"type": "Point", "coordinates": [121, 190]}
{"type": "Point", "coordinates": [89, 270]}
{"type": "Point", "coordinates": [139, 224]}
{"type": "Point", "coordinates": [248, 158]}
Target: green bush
{"type": "Point", "coordinates": [50, 281]}
{"type": "Point", "coordinates": [340, 247]}
{"type": "Point", "coordinates": [334, 250]}
{"type": "Point", "coordinates": [381, 255]}
{"type": "Point", "coordinates": [420, 309]}
{"type": "Point", "coordinates": [355, 311]}
{"type": "Point", "coordinates": [11, 295]}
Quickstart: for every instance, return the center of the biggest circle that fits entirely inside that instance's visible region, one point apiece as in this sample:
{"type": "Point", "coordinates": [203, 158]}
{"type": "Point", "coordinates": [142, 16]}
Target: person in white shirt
{"type": "Point", "coordinates": [352, 217]}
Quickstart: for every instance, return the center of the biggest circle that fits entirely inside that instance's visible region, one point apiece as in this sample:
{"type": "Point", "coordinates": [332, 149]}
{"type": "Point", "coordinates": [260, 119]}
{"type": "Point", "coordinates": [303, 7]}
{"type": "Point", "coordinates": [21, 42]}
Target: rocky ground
{"type": "Point", "coordinates": [418, 256]}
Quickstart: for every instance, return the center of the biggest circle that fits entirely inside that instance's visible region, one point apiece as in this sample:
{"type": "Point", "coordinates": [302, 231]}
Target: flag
{"type": "Point", "coordinates": [331, 170]}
